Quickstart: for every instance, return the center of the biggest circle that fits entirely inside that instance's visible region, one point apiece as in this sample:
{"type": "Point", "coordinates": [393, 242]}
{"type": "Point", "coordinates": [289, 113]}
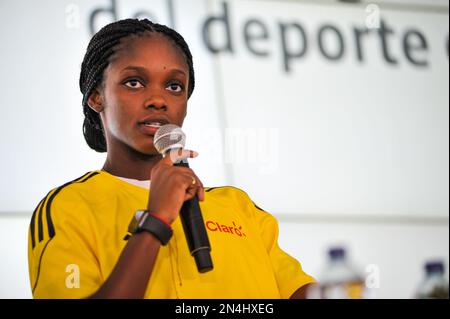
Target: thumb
{"type": "Point", "coordinates": [174, 156]}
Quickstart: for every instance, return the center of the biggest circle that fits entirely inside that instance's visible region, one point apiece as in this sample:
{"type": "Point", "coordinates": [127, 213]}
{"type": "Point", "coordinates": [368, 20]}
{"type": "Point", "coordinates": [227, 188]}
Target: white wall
{"type": "Point", "coordinates": [345, 151]}
{"type": "Point", "coordinates": [353, 137]}
{"type": "Point", "coordinates": [14, 280]}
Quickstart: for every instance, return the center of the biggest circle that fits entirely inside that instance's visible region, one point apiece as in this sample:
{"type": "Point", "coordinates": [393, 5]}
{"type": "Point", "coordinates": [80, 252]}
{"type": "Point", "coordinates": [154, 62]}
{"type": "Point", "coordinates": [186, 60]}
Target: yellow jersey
{"type": "Point", "coordinates": [79, 230]}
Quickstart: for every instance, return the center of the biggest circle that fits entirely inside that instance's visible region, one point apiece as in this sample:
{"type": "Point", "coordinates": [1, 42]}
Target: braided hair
{"type": "Point", "coordinates": [101, 48]}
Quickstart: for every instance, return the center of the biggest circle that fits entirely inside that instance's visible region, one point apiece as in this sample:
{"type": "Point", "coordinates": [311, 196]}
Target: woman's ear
{"type": "Point", "coordinates": [95, 101]}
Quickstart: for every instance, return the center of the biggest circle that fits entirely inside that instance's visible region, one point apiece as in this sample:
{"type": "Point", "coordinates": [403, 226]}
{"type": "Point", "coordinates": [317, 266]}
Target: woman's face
{"type": "Point", "coordinates": [146, 83]}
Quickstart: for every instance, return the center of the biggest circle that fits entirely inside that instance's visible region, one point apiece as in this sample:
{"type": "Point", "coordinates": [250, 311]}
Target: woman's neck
{"type": "Point", "coordinates": [132, 165]}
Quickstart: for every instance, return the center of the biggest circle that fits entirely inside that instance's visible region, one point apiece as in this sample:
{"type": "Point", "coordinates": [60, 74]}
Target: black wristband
{"type": "Point", "coordinates": [155, 226]}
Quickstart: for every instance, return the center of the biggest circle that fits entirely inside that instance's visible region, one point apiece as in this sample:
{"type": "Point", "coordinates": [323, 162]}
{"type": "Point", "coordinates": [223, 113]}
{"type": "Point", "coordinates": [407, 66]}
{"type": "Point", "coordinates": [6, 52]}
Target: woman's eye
{"type": "Point", "coordinates": [175, 87]}
{"type": "Point", "coordinates": [134, 84]}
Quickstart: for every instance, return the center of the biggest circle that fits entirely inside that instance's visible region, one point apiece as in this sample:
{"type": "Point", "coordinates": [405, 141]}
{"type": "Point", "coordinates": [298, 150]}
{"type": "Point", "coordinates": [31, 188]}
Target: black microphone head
{"type": "Point", "coordinates": [168, 137]}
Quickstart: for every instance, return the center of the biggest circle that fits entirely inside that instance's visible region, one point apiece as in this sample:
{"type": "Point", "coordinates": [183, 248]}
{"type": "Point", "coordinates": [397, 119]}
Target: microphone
{"type": "Point", "coordinates": [167, 138]}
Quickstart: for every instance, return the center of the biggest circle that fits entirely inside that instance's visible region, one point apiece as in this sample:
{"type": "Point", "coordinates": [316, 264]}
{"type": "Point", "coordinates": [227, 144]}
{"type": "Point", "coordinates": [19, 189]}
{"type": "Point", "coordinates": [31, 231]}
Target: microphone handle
{"type": "Point", "coordinates": [195, 231]}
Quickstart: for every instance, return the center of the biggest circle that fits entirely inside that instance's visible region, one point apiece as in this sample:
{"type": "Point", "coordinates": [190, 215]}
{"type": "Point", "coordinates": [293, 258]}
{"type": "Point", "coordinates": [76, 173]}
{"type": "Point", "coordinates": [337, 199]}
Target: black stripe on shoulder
{"type": "Point", "coordinates": [40, 226]}
{"type": "Point", "coordinates": [259, 207]}
{"type": "Point", "coordinates": [51, 229]}
{"type": "Point", "coordinates": [208, 189]}
{"type": "Point", "coordinates": [33, 222]}
{"type": "Point", "coordinates": [47, 203]}
{"type": "Point", "coordinates": [39, 267]}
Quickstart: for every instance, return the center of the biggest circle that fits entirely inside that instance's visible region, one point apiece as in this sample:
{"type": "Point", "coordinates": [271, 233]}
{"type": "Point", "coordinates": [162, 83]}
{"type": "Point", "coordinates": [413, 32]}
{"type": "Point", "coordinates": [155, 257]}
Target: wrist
{"type": "Point", "coordinates": [149, 222]}
{"type": "Point", "coordinates": [162, 218]}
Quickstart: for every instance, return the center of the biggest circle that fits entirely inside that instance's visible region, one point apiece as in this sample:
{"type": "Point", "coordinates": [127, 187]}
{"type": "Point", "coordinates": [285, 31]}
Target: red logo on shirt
{"type": "Point", "coordinates": [233, 230]}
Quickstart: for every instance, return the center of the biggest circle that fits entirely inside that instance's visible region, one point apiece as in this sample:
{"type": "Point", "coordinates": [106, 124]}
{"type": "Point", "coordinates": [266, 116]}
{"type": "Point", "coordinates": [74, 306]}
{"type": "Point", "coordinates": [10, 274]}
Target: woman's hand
{"type": "Point", "coordinates": [171, 186]}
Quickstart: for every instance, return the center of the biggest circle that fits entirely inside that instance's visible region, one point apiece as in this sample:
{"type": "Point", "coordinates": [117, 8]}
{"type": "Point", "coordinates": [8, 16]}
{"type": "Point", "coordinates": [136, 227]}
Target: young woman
{"type": "Point", "coordinates": [135, 77]}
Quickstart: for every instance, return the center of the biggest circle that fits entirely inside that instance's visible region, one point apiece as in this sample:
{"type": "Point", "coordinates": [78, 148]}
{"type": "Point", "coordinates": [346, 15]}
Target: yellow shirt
{"type": "Point", "coordinates": [78, 231]}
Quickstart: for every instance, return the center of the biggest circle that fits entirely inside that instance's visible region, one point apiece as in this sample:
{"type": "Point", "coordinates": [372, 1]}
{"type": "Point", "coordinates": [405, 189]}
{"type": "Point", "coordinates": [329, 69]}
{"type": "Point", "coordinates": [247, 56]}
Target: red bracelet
{"type": "Point", "coordinates": [159, 218]}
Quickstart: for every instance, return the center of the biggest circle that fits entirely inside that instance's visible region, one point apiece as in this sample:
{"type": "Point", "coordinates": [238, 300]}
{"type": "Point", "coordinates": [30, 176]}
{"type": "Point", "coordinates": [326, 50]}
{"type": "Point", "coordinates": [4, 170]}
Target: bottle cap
{"type": "Point", "coordinates": [434, 267]}
{"type": "Point", "coordinates": [336, 253]}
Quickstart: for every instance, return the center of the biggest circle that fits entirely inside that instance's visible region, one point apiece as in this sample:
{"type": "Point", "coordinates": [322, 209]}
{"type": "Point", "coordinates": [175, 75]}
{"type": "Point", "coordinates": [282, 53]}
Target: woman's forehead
{"type": "Point", "coordinates": [148, 49]}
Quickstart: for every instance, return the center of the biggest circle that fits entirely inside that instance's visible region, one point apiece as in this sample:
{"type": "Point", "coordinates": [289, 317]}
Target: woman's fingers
{"type": "Point", "coordinates": [191, 182]}
{"type": "Point", "coordinates": [194, 187]}
{"type": "Point", "coordinates": [176, 155]}
{"type": "Point", "coordinates": [197, 185]}
{"type": "Point", "coordinates": [200, 190]}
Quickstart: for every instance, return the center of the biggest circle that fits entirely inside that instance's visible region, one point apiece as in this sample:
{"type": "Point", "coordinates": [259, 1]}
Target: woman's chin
{"type": "Point", "coordinates": [147, 150]}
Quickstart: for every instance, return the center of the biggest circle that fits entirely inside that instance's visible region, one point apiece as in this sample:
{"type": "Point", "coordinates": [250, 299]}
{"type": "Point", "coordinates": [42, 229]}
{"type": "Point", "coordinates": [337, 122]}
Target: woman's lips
{"type": "Point", "coordinates": [148, 129]}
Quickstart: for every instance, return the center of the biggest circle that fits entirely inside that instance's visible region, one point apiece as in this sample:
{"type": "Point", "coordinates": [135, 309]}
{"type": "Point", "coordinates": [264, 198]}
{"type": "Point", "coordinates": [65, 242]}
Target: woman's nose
{"type": "Point", "coordinates": [156, 102]}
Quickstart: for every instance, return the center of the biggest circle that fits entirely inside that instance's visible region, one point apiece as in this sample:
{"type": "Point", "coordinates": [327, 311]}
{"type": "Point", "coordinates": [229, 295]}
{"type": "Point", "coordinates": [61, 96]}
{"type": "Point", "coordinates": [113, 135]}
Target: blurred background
{"type": "Point", "coordinates": [332, 115]}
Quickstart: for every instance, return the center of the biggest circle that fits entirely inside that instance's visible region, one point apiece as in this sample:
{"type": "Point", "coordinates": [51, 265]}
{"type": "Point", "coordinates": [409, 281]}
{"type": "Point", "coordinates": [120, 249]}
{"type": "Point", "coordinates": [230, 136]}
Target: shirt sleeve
{"type": "Point", "coordinates": [61, 252]}
{"type": "Point", "coordinates": [288, 271]}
